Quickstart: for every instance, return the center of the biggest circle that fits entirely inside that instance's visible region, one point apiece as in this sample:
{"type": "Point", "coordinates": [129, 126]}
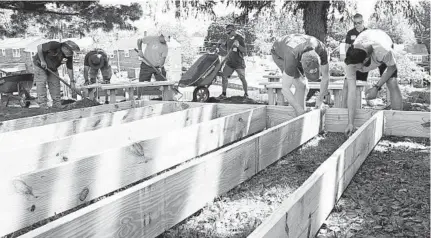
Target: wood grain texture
{"type": "Point", "coordinates": [402, 123]}
{"type": "Point", "coordinates": [55, 192]}
{"type": "Point", "coordinates": [57, 131]}
{"type": "Point", "coordinates": [279, 114]}
{"type": "Point", "coordinates": [336, 119]}
{"type": "Point", "coordinates": [161, 202]}
{"type": "Point", "coordinates": [166, 199]}
{"type": "Point", "coordinates": [228, 109]}
{"type": "Point", "coordinates": [304, 211]}
{"type": "Point", "coordinates": [72, 148]}
{"type": "Point", "coordinates": [40, 120]}
{"type": "Point", "coordinates": [283, 138]}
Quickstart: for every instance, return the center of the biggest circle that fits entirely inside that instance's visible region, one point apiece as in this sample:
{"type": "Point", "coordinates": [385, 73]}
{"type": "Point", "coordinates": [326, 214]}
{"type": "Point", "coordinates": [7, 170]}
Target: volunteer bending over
{"type": "Point", "coordinates": [296, 55]}
{"type": "Point", "coordinates": [372, 49]}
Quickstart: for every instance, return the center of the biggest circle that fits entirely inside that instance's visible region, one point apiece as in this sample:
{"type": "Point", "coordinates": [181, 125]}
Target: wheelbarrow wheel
{"type": "Point", "coordinates": [24, 97]}
{"type": "Point", "coordinates": [201, 94]}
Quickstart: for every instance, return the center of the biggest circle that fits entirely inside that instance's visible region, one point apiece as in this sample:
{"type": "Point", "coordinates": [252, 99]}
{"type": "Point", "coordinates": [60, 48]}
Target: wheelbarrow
{"type": "Point", "coordinates": [21, 84]}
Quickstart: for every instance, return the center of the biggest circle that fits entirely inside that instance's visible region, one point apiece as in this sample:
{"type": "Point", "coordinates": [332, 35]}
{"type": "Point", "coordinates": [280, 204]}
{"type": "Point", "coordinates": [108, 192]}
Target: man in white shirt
{"type": "Point", "coordinates": [372, 49]}
{"type": "Point", "coordinates": [156, 53]}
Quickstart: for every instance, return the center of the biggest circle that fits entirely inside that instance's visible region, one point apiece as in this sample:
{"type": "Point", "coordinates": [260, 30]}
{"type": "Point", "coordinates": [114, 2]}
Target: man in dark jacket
{"type": "Point", "coordinates": [51, 55]}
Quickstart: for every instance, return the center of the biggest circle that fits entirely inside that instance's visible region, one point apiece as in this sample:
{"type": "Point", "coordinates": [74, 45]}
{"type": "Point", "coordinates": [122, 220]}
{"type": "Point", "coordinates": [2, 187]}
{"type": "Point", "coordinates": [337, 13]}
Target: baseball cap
{"type": "Point", "coordinates": [72, 45]}
{"type": "Point", "coordinates": [96, 61]}
{"type": "Point", "coordinates": [311, 65]}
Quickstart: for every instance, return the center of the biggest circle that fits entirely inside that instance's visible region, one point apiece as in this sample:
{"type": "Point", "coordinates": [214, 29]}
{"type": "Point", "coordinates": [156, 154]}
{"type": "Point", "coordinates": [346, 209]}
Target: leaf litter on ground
{"type": "Point", "coordinates": [389, 195]}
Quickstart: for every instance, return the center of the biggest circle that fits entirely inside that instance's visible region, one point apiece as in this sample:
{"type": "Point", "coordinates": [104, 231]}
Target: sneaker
{"type": "Point", "coordinates": [222, 96]}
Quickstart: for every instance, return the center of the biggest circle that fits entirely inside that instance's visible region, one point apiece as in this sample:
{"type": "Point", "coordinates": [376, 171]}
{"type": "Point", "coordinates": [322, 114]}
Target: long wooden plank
{"type": "Point", "coordinates": [402, 123]}
{"type": "Point", "coordinates": [68, 149]}
{"type": "Point", "coordinates": [45, 119]}
{"type": "Point", "coordinates": [336, 119]}
{"type": "Point", "coordinates": [57, 131]}
{"type": "Point", "coordinates": [281, 140]}
{"type": "Point", "coordinates": [62, 187]}
{"type": "Point", "coordinates": [151, 207]}
{"type": "Point", "coordinates": [302, 214]}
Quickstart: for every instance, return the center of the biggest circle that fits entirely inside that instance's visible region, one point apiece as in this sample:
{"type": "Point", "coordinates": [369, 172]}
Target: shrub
{"type": "Point", "coordinates": [336, 68]}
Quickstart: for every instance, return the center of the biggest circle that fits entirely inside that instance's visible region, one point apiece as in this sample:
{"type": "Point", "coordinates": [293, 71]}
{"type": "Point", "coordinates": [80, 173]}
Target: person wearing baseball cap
{"type": "Point", "coordinates": [94, 61]}
{"type": "Point", "coordinates": [372, 49]}
{"type": "Point", "coordinates": [301, 58]}
{"type": "Point", "coordinates": [51, 55]}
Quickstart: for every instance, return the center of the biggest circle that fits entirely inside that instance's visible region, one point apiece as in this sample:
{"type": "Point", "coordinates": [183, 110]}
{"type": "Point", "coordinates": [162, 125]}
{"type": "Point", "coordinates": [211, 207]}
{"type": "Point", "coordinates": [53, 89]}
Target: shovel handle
{"type": "Point", "coordinates": [63, 81]}
{"type": "Point", "coordinates": [158, 72]}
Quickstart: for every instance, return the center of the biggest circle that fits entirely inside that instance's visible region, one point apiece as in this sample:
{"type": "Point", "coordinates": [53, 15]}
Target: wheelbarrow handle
{"type": "Point", "coordinates": [63, 81]}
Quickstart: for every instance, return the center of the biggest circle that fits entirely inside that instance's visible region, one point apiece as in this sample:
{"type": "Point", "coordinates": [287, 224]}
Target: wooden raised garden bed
{"type": "Point", "coordinates": [136, 169]}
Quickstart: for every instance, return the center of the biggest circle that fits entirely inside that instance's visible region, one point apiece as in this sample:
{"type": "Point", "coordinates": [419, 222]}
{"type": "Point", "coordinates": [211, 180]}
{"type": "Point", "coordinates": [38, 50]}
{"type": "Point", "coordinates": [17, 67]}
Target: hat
{"type": "Point", "coordinates": [72, 45]}
{"type": "Point", "coordinates": [96, 61]}
{"type": "Point", "coordinates": [311, 64]}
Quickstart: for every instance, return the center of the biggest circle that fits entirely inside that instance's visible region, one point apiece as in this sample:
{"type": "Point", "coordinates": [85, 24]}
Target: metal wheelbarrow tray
{"type": "Point", "coordinates": [21, 84]}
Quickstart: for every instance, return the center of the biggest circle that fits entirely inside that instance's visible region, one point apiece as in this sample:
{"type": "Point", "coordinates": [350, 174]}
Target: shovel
{"type": "Point", "coordinates": [68, 85]}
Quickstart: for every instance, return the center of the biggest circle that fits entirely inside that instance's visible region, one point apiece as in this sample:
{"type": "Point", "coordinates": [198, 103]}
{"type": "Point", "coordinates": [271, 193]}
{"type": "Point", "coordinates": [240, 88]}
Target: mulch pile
{"type": "Point", "coordinates": [10, 113]}
{"type": "Point", "coordinates": [235, 100]}
{"type": "Point", "coordinates": [389, 196]}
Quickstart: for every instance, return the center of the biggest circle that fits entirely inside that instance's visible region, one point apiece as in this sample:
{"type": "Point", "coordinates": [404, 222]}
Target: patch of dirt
{"type": "Point", "coordinates": [235, 100]}
{"type": "Point", "coordinates": [238, 212]}
{"type": "Point", "coordinates": [389, 196]}
{"type": "Point", "coordinates": [10, 113]}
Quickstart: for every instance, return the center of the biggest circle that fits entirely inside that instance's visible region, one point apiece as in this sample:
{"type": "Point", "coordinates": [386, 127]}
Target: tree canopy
{"type": "Point", "coordinates": [17, 17]}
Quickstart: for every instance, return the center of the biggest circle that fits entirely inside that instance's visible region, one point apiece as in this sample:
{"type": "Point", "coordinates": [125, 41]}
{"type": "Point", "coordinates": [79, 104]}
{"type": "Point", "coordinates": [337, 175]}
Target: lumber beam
{"type": "Point", "coordinates": [303, 212]}
{"type": "Point", "coordinates": [53, 153]}
{"type": "Point", "coordinates": [152, 207]}
{"type": "Point", "coordinates": [27, 122]}
{"type": "Point", "coordinates": [336, 119]}
{"type": "Point", "coordinates": [57, 131]}
{"type": "Point", "coordinates": [59, 188]}
{"type": "Point", "coordinates": [406, 123]}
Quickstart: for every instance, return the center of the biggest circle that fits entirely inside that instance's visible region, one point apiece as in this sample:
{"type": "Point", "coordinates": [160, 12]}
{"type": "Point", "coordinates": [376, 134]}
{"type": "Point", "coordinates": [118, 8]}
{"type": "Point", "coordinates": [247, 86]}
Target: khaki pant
{"type": "Point", "coordinates": [42, 77]}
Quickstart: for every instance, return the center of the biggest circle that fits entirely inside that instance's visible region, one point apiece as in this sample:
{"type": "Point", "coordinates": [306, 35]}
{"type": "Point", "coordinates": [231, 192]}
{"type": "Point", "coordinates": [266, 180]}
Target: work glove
{"type": "Point", "coordinates": [43, 65]}
{"type": "Point", "coordinates": [236, 43]}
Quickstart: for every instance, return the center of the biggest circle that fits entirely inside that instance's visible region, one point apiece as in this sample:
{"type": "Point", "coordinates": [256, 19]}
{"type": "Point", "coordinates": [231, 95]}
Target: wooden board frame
{"type": "Point", "coordinates": [163, 201]}
{"type": "Point", "coordinates": [243, 156]}
{"type": "Point", "coordinates": [27, 122]}
{"type": "Point", "coordinates": [51, 188]}
{"type": "Point", "coordinates": [397, 123]}
{"type": "Point", "coordinates": [57, 131]}
{"type": "Point", "coordinates": [304, 211]}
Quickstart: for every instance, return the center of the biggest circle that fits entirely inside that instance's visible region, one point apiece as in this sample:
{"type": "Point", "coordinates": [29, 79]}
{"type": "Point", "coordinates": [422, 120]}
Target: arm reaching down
{"type": "Point", "coordinates": [324, 84]}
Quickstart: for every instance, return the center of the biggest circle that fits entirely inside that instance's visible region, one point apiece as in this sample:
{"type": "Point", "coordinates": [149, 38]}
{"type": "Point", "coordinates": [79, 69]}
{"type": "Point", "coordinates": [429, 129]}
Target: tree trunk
{"type": "Point", "coordinates": [315, 18]}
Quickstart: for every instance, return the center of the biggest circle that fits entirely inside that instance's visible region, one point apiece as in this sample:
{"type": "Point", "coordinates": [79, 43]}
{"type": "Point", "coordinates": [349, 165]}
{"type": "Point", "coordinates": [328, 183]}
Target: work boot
{"type": "Point", "coordinates": [222, 96]}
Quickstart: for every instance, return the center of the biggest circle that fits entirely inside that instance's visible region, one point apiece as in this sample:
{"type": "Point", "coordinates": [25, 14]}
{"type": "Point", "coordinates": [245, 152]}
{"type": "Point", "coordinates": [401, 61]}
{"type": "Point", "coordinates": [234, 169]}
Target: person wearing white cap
{"type": "Point", "coordinates": [301, 58]}
{"type": "Point", "coordinates": [94, 61]}
{"type": "Point", "coordinates": [51, 55]}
